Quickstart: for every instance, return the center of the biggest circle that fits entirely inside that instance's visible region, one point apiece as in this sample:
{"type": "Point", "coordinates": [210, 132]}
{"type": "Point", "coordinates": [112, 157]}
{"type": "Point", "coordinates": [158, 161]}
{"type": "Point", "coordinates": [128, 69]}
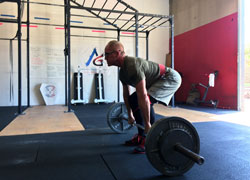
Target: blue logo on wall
{"type": "Point", "coordinates": [94, 52]}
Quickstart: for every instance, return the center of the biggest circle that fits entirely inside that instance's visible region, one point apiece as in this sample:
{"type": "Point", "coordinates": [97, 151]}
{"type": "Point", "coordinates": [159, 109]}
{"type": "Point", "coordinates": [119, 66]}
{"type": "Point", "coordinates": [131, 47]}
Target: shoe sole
{"type": "Point", "coordinates": [130, 145]}
{"type": "Point", "coordinates": [136, 152]}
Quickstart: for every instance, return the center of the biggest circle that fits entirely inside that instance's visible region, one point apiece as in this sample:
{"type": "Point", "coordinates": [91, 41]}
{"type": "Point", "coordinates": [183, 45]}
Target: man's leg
{"type": "Point", "coordinates": [152, 111]}
{"type": "Point", "coordinates": [136, 140]}
{"type": "Point", "coordinates": [133, 101]}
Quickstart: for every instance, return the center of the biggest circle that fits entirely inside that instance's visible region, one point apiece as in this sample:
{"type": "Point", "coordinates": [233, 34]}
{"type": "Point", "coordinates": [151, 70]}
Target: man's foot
{"type": "Point", "coordinates": [135, 141]}
{"type": "Point", "coordinates": [140, 149]}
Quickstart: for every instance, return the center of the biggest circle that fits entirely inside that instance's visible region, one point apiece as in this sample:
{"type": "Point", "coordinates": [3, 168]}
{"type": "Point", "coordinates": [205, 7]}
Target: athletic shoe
{"type": "Point", "coordinates": [140, 149]}
{"type": "Point", "coordinates": [135, 141]}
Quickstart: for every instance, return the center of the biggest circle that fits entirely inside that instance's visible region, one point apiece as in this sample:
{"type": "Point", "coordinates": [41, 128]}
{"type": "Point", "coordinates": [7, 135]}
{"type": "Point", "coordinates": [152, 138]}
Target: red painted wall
{"type": "Point", "coordinates": [207, 48]}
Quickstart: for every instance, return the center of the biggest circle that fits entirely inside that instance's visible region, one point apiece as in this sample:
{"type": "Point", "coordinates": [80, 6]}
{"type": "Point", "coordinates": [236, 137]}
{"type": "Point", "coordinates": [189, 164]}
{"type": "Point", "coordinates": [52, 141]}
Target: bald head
{"type": "Point", "coordinates": [115, 46]}
{"type": "Point", "coordinates": [114, 53]}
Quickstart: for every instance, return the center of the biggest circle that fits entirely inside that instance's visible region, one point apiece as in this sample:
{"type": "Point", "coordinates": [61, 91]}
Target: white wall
{"type": "Point", "coordinates": [189, 15]}
{"type": "Point", "coordinates": [47, 45]}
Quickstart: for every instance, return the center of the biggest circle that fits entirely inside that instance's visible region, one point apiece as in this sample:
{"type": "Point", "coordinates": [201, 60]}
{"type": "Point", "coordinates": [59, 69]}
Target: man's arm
{"type": "Point", "coordinates": [144, 103]}
{"type": "Point", "coordinates": [126, 94]}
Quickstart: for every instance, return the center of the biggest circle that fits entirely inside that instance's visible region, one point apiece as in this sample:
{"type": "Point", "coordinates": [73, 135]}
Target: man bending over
{"type": "Point", "coordinates": [153, 83]}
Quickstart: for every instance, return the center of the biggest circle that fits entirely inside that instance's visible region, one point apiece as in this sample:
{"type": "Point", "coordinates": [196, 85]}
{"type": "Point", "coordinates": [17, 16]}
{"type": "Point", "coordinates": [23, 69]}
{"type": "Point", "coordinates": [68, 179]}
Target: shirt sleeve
{"type": "Point", "coordinates": [139, 75]}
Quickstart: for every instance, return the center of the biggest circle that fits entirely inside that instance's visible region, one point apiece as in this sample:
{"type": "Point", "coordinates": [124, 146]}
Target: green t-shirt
{"type": "Point", "coordinates": [136, 69]}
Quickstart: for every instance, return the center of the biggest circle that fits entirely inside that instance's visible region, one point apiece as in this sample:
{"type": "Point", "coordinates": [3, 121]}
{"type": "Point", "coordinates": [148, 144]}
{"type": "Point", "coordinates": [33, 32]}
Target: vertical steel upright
{"type": "Point", "coordinates": [68, 50]}
{"type": "Point", "coordinates": [28, 53]}
{"type": "Point", "coordinates": [19, 35]}
{"type": "Point", "coordinates": [136, 34]}
{"type": "Point", "coordinates": [147, 35]}
{"type": "Point", "coordinates": [172, 50]}
{"type": "Point", "coordinates": [118, 75]}
{"type": "Point", "coordinates": [65, 51]}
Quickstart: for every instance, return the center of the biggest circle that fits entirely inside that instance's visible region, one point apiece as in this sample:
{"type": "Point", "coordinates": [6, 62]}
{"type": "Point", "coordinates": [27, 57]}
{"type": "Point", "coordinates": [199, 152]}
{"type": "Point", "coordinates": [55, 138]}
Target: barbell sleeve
{"type": "Point", "coordinates": [190, 154]}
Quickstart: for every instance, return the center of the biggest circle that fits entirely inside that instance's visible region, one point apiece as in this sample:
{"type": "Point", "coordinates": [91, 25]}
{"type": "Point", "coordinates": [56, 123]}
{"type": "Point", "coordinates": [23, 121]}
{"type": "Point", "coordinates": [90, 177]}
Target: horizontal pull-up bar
{"type": "Point", "coordinates": [117, 11]}
{"type": "Point", "coordinates": [127, 5]}
{"type": "Point", "coordinates": [101, 37]}
{"type": "Point", "coordinates": [105, 20]}
{"type": "Point", "coordinates": [45, 4]}
{"type": "Point", "coordinates": [8, 20]}
{"type": "Point", "coordinates": [15, 1]}
{"type": "Point", "coordinates": [95, 9]}
{"type": "Point", "coordinates": [84, 27]}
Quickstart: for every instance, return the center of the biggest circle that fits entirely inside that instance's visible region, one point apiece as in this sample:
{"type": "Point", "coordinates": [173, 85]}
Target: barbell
{"type": "Point", "coordinates": [172, 145]}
